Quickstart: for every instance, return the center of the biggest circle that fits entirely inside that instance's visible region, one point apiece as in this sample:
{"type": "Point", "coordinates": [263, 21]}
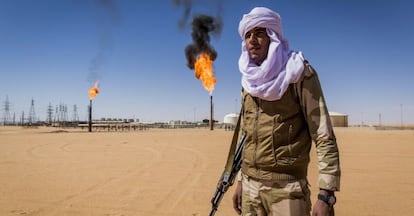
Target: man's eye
{"type": "Point", "coordinates": [247, 35]}
{"type": "Point", "coordinates": [260, 33]}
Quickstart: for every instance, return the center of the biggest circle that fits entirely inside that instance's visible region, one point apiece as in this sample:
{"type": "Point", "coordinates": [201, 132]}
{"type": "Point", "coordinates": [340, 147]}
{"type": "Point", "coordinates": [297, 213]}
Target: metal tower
{"type": "Point", "coordinates": [6, 109]}
{"type": "Point", "coordinates": [22, 118]}
{"type": "Point", "coordinates": [49, 114]}
{"type": "Point", "coordinates": [32, 114]}
{"type": "Point", "coordinates": [75, 117]}
{"type": "Point", "coordinates": [65, 113]}
{"type": "Point", "coordinates": [56, 114]}
{"type": "Point", "coordinates": [61, 114]}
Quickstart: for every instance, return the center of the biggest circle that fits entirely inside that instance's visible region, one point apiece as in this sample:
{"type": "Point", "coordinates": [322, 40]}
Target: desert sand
{"type": "Point", "coordinates": [49, 171]}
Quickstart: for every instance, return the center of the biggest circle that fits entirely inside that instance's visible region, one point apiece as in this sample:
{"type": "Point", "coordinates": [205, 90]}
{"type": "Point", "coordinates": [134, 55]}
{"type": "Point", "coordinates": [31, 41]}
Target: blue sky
{"type": "Point", "coordinates": [52, 51]}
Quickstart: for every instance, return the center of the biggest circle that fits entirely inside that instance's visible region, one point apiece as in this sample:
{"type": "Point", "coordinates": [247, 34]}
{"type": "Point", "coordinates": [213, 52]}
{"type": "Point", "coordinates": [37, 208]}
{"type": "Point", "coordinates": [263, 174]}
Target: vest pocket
{"type": "Point", "coordinates": [283, 138]}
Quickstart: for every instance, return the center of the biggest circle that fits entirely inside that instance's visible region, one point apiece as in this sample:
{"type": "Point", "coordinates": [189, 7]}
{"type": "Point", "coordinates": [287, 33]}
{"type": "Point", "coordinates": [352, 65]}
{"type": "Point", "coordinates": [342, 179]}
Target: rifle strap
{"type": "Point", "coordinates": [230, 157]}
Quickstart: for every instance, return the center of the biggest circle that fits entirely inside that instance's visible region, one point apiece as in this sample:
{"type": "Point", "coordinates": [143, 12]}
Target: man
{"type": "Point", "coordinates": [283, 111]}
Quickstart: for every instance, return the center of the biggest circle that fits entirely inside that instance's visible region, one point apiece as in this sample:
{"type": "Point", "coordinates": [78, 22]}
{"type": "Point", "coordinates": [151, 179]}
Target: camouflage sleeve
{"type": "Point", "coordinates": [320, 128]}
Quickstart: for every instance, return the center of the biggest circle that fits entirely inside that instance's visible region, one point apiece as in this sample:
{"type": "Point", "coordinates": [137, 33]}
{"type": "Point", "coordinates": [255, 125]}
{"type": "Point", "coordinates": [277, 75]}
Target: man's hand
{"type": "Point", "coordinates": [321, 208]}
{"type": "Point", "coordinates": [237, 198]}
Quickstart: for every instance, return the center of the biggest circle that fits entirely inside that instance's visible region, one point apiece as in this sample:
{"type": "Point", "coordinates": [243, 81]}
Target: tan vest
{"type": "Point", "coordinates": [278, 142]}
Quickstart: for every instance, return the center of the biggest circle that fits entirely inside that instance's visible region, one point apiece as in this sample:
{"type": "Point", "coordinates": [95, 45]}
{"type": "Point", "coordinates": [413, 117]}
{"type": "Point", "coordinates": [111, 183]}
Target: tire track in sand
{"type": "Point", "coordinates": [188, 182]}
{"type": "Point", "coordinates": [54, 207]}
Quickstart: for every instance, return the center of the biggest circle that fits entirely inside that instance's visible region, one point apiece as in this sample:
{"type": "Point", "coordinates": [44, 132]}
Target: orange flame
{"type": "Point", "coordinates": [93, 91]}
{"type": "Point", "coordinates": [204, 71]}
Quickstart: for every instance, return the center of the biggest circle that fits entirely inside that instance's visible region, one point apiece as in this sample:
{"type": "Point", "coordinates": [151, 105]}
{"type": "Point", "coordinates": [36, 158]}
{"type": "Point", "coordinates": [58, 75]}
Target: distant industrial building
{"type": "Point", "coordinates": [339, 119]}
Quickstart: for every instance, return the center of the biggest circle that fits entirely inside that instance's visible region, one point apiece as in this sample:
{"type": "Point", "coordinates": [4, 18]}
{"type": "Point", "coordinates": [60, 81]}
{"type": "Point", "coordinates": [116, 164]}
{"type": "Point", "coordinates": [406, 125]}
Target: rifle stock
{"type": "Point", "coordinates": [227, 178]}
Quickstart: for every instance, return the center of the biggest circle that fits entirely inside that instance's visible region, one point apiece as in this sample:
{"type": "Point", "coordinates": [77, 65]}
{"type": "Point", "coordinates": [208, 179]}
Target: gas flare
{"type": "Point", "coordinates": [93, 91]}
{"type": "Point", "coordinates": [203, 70]}
{"type": "Point", "coordinates": [200, 54]}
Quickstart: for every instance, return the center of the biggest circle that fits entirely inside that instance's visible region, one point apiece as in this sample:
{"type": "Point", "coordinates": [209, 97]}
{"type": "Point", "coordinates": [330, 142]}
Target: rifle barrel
{"type": "Point", "coordinates": [224, 183]}
{"type": "Point", "coordinates": [212, 212]}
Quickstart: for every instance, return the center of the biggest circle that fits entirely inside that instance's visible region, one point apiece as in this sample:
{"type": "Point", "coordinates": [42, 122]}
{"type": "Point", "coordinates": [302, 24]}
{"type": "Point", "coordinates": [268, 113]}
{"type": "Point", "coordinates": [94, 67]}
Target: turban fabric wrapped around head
{"type": "Point", "coordinates": [261, 17]}
{"type": "Point", "coordinates": [281, 67]}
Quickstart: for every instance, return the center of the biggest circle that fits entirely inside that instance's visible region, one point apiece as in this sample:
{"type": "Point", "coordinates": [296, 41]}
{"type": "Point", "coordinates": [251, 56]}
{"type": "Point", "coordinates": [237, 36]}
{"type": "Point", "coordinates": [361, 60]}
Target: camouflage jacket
{"type": "Point", "coordinates": [280, 134]}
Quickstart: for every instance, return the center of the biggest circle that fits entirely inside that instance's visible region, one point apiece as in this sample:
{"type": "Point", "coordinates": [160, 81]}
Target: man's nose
{"type": "Point", "coordinates": [252, 38]}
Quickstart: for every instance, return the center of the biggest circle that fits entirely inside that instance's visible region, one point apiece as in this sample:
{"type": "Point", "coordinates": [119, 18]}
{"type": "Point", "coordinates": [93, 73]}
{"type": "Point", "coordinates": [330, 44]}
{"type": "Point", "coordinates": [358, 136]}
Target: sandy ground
{"type": "Point", "coordinates": [45, 171]}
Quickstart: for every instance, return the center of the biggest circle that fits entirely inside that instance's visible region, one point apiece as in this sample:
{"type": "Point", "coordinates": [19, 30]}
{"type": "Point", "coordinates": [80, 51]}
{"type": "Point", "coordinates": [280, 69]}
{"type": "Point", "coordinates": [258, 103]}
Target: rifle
{"type": "Point", "coordinates": [228, 176]}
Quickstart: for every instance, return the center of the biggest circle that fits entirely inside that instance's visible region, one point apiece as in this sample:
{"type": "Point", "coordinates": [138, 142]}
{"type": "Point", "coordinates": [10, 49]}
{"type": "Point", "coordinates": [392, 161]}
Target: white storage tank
{"type": "Point", "coordinates": [231, 119]}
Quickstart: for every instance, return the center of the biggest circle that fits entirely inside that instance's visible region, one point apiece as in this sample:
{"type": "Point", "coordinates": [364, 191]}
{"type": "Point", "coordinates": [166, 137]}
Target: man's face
{"type": "Point", "coordinates": [257, 44]}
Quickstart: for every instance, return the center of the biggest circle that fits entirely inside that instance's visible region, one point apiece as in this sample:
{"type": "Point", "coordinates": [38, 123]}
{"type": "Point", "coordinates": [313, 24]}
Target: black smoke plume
{"type": "Point", "coordinates": [202, 26]}
{"type": "Point", "coordinates": [108, 19]}
{"type": "Point", "coordinates": [187, 11]}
